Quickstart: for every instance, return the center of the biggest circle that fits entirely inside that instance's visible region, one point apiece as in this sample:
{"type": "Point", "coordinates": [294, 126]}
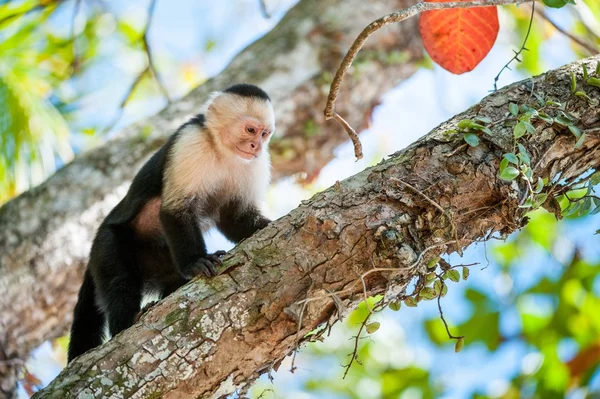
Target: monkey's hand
{"type": "Point", "coordinates": [206, 265]}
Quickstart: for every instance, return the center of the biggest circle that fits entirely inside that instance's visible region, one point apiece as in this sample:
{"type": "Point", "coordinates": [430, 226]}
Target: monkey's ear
{"type": "Point", "coordinates": [210, 100]}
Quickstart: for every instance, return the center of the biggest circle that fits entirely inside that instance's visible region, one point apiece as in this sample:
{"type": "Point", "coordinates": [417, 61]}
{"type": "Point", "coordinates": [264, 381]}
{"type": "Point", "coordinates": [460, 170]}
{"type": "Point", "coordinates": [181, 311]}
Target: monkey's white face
{"type": "Point", "coordinates": [243, 125]}
{"type": "Point", "coordinates": [250, 137]}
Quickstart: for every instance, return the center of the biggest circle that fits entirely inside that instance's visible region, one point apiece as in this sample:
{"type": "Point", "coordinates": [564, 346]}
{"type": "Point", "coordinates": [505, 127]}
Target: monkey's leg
{"type": "Point", "coordinates": [238, 222]}
{"type": "Point", "coordinates": [186, 244]}
{"type": "Point", "coordinates": [118, 278]}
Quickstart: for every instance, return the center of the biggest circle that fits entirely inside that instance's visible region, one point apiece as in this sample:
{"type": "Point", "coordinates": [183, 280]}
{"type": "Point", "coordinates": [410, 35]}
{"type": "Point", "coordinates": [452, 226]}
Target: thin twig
{"type": "Point", "coordinates": [263, 9]}
{"type": "Point", "coordinates": [352, 134]}
{"type": "Point", "coordinates": [149, 69]}
{"type": "Point", "coordinates": [586, 45]}
{"type": "Point", "coordinates": [75, 60]}
{"type": "Point", "coordinates": [517, 53]}
{"type": "Point", "coordinates": [439, 301]}
{"type": "Point", "coordinates": [394, 17]}
{"type": "Point", "coordinates": [151, 66]}
{"type": "Point", "coordinates": [432, 202]}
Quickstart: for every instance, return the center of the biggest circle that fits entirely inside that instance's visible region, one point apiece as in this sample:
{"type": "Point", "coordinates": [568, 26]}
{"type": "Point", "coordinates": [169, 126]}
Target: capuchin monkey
{"type": "Point", "coordinates": [213, 171]}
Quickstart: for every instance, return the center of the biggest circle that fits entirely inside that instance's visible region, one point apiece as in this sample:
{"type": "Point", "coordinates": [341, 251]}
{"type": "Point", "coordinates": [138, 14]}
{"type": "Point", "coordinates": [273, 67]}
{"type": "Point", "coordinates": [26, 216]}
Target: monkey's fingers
{"type": "Point", "coordinates": [219, 253]}
{"type": "Point", "coordinates": [207, 266]}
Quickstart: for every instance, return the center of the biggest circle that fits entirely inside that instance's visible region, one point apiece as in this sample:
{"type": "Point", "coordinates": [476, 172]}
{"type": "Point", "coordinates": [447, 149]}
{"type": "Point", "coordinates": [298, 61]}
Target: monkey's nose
{"type": "Point", "coordinates": [253, 146]}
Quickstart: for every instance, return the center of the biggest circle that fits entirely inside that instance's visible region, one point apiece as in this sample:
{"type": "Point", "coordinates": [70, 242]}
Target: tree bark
{"type": "Point", "coordinates": [45, 234]}
{"type": "Point", "coordinates": [214, 336]}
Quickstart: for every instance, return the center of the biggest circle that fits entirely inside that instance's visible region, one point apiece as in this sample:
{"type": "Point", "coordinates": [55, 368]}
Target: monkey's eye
{"type": "Point", "coordinates": [251, 130]}
{"type": "Point", "coordinates": [265, 134]}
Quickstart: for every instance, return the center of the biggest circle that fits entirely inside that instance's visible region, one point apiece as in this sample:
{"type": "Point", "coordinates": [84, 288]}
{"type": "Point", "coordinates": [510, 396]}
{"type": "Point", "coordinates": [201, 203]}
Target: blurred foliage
{"type": "Point", "coordinates": [555, 311]}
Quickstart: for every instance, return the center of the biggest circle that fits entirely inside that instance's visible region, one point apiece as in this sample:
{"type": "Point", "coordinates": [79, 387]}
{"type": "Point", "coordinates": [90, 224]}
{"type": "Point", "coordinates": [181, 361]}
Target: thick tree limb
{"type": "Point", "coordinates": [213, 336]}
{"type": "Point", "coordinates": [45, 233]}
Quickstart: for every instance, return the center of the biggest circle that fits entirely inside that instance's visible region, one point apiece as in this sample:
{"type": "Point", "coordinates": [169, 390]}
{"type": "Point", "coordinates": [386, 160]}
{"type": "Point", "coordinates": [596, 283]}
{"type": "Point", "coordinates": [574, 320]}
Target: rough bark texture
{"type": "Point", "coordinates": [214, 336]}
{"type": "Point", "coordinates": [45, 233]}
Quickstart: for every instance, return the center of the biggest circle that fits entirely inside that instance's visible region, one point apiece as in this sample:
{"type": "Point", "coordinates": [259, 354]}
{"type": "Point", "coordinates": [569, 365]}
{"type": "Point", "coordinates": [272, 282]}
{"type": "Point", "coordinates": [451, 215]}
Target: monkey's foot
{"type": "Point", "coordinates": [207, 265]}
{"type": "Point", "coordinates": [139, 314]}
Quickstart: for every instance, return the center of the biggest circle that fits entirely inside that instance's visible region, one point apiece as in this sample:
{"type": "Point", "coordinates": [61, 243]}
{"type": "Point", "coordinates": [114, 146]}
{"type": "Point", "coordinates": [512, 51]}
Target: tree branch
{"type": "Point", "coordinates": [45, 234]}
{"type": "Point", "coordinates": [214, 336]}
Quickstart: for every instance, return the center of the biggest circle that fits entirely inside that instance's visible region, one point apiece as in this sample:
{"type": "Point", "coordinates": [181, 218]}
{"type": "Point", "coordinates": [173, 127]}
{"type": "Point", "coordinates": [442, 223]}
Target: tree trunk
{"type": "Point", "coordinates": [214, 336]}
{"type": "Point", "coordinates": [45, 234]}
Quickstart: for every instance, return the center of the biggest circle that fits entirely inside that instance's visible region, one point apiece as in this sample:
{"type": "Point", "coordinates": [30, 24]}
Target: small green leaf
{"type": "Point", "coordinates": [513, 108]}
{"type": "Point", "coordinates": [453, 275]}
{"type": "Point", "coordinates": [483, 119]}
{"type": "Point", "coordinates": [444, 290]}
{"type": "Point", "coordinates": [539, 185]}
{"type": "Point", "coordinates": [519, 130]}
{"type": "Point", "coordinates": [580, 141]}
{"type": "Point", "coordinates": [372, 327]}
{"type": "Point", "coordinates": [539, 199]}
{"type": "Point", "coordinates": [465, 273]}
{"type": "Point", "coordinates": [554, 103]}
{"type": "Point", "coordinates": [428, 293]}
{"type": "Point", "coordinates": [594, 82]}
{"type": "Point", "coordinates": [575, 130]}
{"type": "Point", "coordinates": [529, 127]}
{"type": "Point", "coordinates": [431, 264]}
{"type": "Point", "coordinates": [437, 286]}
{"type": "Point", "coordinates": [509, 173]}
{"type": "Point", "coordinates": [598, 68]}
{"type": "Point", "coordinates": [410, 302]}
{"type": "Point", "coordinates": [430, 278]}
{"type": "Point", "coordinates": [573, 81]}
{"type": "Point", "coordinates": [512, 158]}
{"type": "Point", "coordinates": [523, 154]}
{"type": "Point", "coordinates": [585, 72]}
{"type": "Point", "coordinates": [545, 117]}
{"type": "Point", "coordinates": [527, 204]}
{"type": "Point", "coordinates": [580, 93]}
{"type": "Point", "coordinates": [459, 344]}
{"type": "Point", "coordinates": [395, 305]}
{"type": "Point", "coordinates": [465, 123]}
{"type": "Point", "coordinates": [472, 139]}
{"type": "Point", "coordinates": [503, 164]}
{"type": "Point", "coordinates": [595, 178]}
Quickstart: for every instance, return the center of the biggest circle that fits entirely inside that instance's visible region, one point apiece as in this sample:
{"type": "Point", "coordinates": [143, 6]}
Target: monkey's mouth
{"type": "Point", "coordinates": [245, 154]}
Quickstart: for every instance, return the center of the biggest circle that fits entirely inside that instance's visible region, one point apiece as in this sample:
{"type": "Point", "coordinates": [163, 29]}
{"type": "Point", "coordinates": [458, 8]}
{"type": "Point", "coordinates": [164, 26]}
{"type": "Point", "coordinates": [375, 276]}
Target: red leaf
{"type": "Point", "coordinates": [458, 39]}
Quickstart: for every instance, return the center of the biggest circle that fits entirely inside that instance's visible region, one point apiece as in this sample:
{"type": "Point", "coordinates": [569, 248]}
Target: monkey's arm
{"type": "Point", "coordinates": [238, 222]}
{"type": "Point", "coordinates": [186, 244]}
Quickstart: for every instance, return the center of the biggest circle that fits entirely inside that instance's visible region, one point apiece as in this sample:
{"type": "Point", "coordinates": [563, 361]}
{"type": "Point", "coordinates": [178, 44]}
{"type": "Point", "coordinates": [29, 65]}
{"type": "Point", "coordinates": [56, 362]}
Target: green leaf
{"type": "Point", "coordinates": [595, 178]}
{"type": "Point", "coordinates": [509, 173]}
{"type": "Point", "coordinates": [465, 273]}
{"type": "Point", "coordinates": [432, 263]}
{"type": "Point", "coordinates": [529, 127]}
{"type": "Point", "coordinates": [573, 81]}
{"type": "Point", "coordinates": [395, 305]}
{"type": "Point", "coordinates": [594, 82]}
{"type": "Point", "coordinates": [430, 278]}
{"type": "Point", "coordinates": [444, 290]}
{"type": "Point", "coordinates": [519, 130]}
{"type": "Point", "coordinates": [428, 293]}
{"type": "Point", "coordinates": [503, 164]}
{"type": "Point", "coordinates": [465, 123]}
{"type": "Point", "coordinates": [372, 327]}
{"type": "Point", "coordinates": [575, 130]}
{"type": "Point", "coordinates": [483, 119]}
{"type": "Point", "coordinates": [523, 154]}
{"type": "Point", "coordinates": [545, 117]}
{"type": "Point", "coordinates": [459, 344]}
{"type": "Point", "coordinates": [512, 158]}
{"type": "Point", "coordinates": [472, 139]}
{"type": "Point", "coordinates": [554, 103]}
{"type": "Point", "coordinates": [539, 185]}
{"type": "Point", "coordinates": [453, 275]}
{"type": "Point", "coordinates": [579, 142]}
{"type": "Point", "coordinates": [437, 286]}
{"type": "Point", "coordinates": [580, 93]}
{"type": "Point", "coordinates": [410, 302]}
{"type": "Point", "coordinates": [513, 108]}
{"type": "Point", "coordinates": [598, 68]}
{"type": "Point", "coordinates": [539, 199]}
{"type": "Point", "coordinates": [585, 72]}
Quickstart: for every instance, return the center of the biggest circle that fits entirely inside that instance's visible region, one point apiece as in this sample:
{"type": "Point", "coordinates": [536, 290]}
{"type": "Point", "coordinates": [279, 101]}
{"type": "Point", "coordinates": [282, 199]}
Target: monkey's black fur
{"type": "Point", "coordinates": [127, 261]}
{"type": "Point", "coordinates": [248, 90]}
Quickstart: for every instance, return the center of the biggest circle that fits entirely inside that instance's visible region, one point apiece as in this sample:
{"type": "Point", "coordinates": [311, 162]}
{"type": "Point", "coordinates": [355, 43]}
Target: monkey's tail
{"type": "Point", "coordinates": [88, 321]}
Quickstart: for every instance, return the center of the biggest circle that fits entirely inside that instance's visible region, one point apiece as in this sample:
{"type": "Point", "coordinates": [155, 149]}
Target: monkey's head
{"type": "Point", "coordinates": [241, 121]}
